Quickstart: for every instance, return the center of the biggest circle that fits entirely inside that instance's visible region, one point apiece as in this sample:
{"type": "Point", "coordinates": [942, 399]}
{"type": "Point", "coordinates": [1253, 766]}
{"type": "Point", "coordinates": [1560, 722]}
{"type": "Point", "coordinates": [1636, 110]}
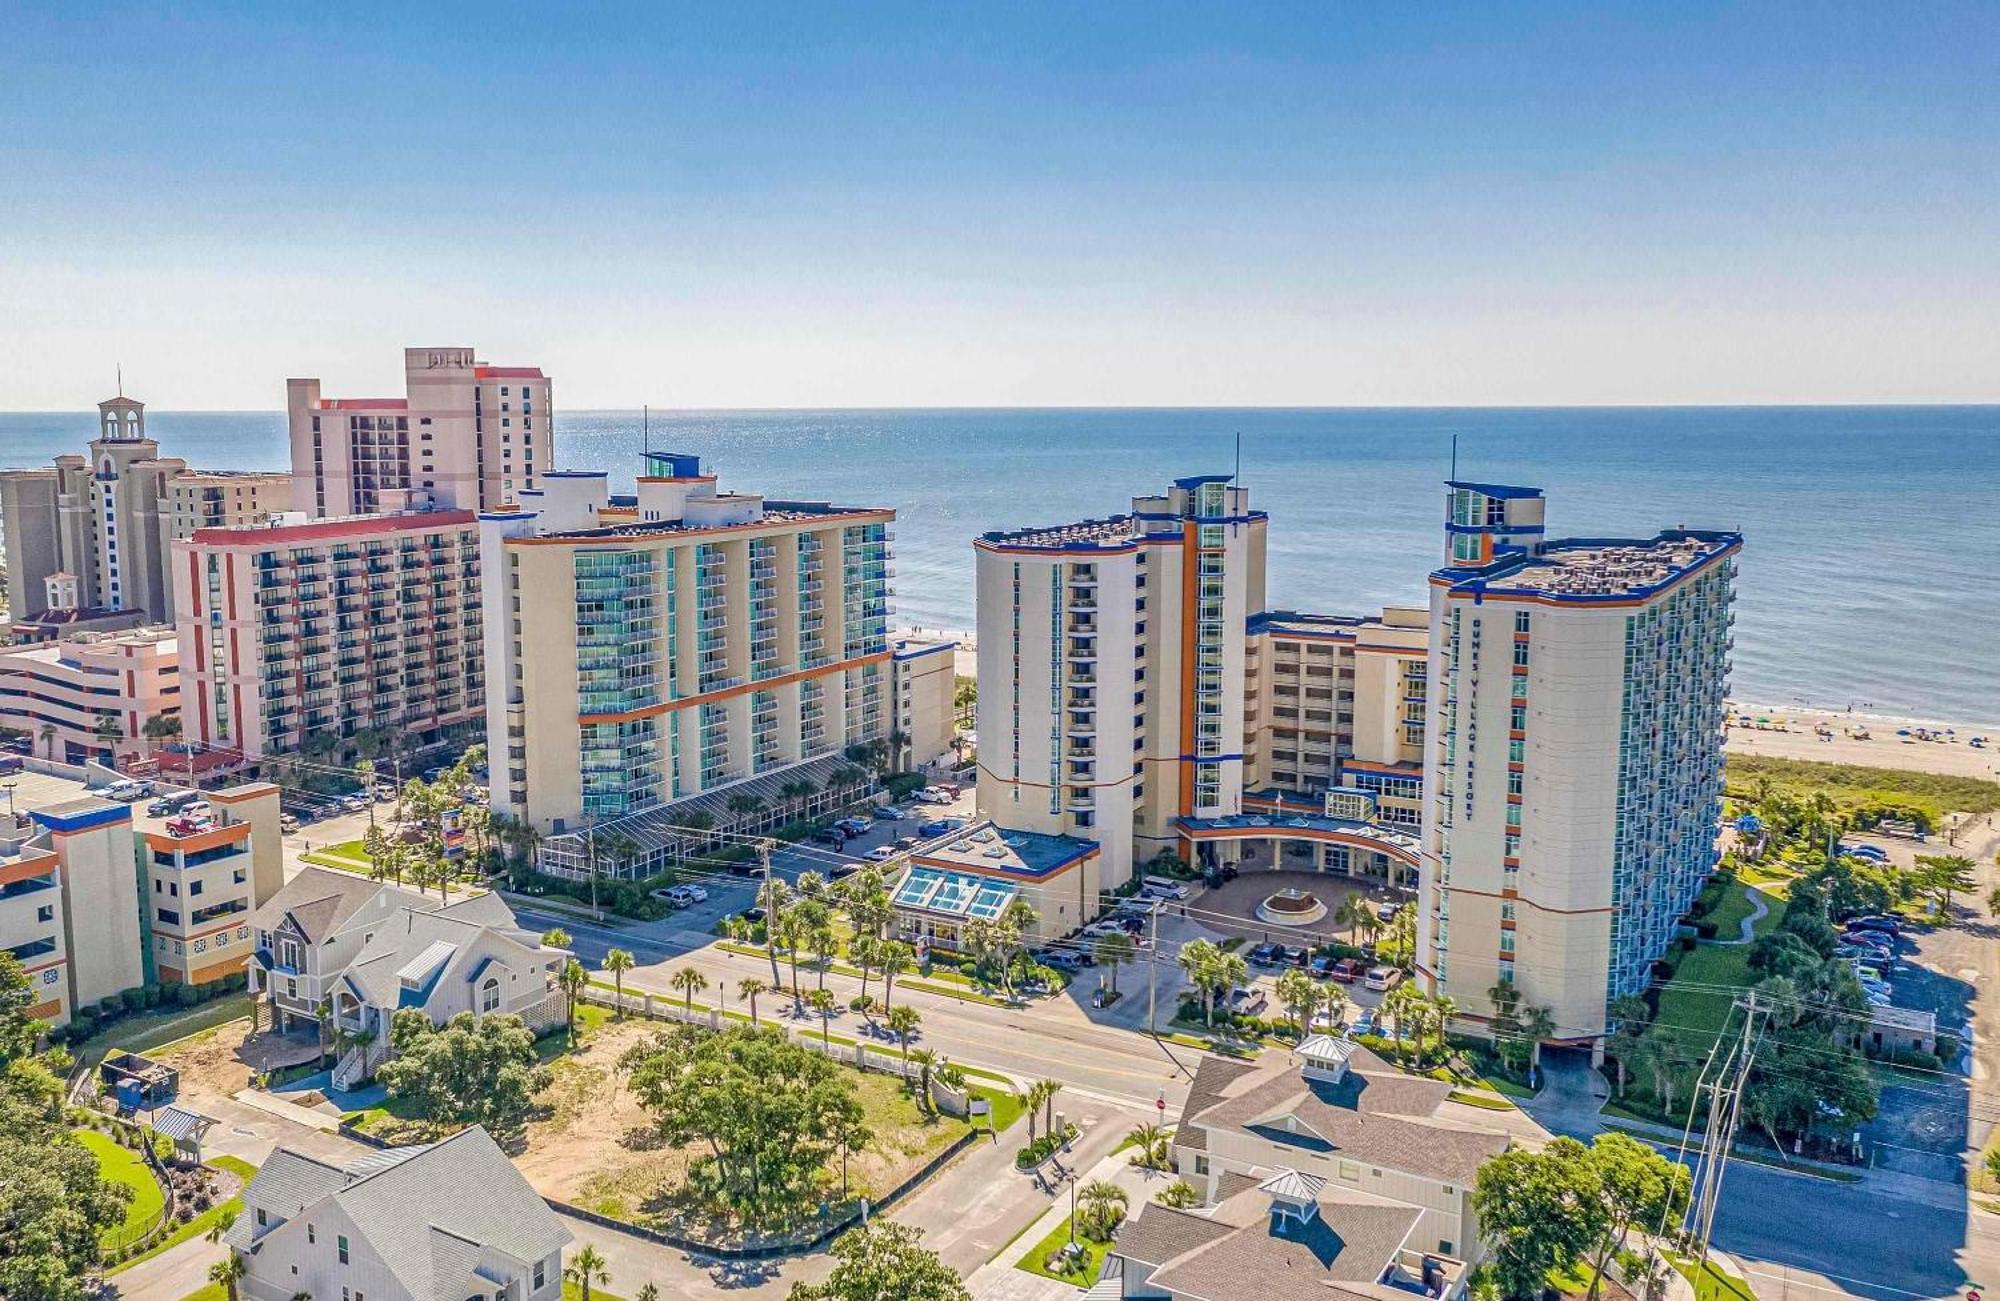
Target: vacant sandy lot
{"type": "Point", "coordinates": [593, 1146]}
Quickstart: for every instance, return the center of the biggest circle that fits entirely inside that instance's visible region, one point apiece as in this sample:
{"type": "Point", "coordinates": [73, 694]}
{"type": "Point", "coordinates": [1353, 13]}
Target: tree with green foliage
{"type": "Point", "coordinates": [880, 1262]}
{"type": "Point", "coordinates": [1112, 952]}
{"type": "Point", "coordinates": [1541, 1212]}
{"type": "Point", "coordinates": [690, 982]}
{"type": "Point", "coordinates": [1631, 1014]}
{"type": "Point", "coordinates": [475, 1070]}
{"type": "Point", "coordinates": [1943, 875]}
{"type": "Point", "coordinates": [228, 1273]}
{"type": "Point", "coordinates": [770, 1111]}
{"type": "Point", "coordinates": [618, 962]}
{"type": "Point", "coordinates": [903, 1022]}
{"type": "Point", "coordinates": [587, 1269]}
{"type": "Point", "coordinates": [894, 957]}
{"type": "Point", "coordinates": [572, 979]}
{"type": "Point", "coordinates": [823, 1003]}
{"type": "Point", "coordinates": [1100, 1210]}
{"type": "Point", "coordinates": [1151, 1140]}
{"type": "Point", "coordinates": [1637, 1186]}
{"type": "Point", "coordinates": [1298, 994]}
{"type": "Point", "coordinates": [747, 989]}
{"type": "Point", "coordinates": [54, 1202]}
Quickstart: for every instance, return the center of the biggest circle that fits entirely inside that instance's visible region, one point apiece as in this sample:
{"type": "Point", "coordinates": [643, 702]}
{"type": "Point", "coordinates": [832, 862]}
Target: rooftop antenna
{"type": "Point", "coordinates": [1454, 456]}
{"type": "Point", "coordinates": [121, 379]}
{"type": "Point", "coordinates": [1238, 476]}
{"type": "Point", "coordinates": [646, 427]}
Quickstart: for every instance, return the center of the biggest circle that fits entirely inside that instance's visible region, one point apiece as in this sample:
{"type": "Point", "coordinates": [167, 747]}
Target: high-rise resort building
{"type": "Point", "coordinates": [467, 435]}
{"type": "Point", "coordinates": [298, 631]}
{"type": "Point", "coordinates": [1573, 793]}
{"type": "Point", "coordinates": [99, 524]}
{"type": "Point", "coordinates": [694, 649]}
{"type": "Point", "coordinates": [1134, 692]}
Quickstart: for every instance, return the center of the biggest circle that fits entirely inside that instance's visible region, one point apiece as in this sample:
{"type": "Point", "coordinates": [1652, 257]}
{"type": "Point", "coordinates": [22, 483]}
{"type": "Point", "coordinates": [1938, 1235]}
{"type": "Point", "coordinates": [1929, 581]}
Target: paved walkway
{"type": "Point", "coordinates": [1749, 929]}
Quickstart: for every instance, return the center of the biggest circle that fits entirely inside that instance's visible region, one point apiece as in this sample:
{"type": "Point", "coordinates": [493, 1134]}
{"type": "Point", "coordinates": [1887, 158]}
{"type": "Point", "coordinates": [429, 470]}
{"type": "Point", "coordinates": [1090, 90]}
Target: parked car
{"type": "Point", "coordinates": [1107, 927]}
{"type": "Point", "coordinates": [1879, 925]}
{"type": "Point", "coordinates": [1386, 911]}
{"type": "Point", "coordinates": [852, 826]}
{"type": "Point", "coordinates": [1162, 888]}
{"type": "Point", "coordinates": [1266, 955]}
{"type": "Point", "coordinates": [830, 836]}
{"type": "Point", "coordinates": [935, 827]}
{"type": "Point", "coordinates": [752, 915]}
{"type": "Point", "coordinates": [1322, 966]}
{"type": "Point", "coordinates": [890, 813]}
{"type": "Point", "coordinates": [286, 822]}
{"type": "Point", "coordinates": [907, 843]}
{"type": "Point", "coordinates": [168, 805]}
{"type": "Point", "coordinates": [1247, 1000]}
{"type": "Point", "coordinates": [354, 803]}
{"type": "Point", "coordinates": [1297, 954]}
{"type": "Point", "coordinates": [1383, 979]}
{"type": "Point", "coordinates": [1872, 852]}
{"type": "Point", "coordinates": [1065, 959]}
{"type": "Point", "coordinates": [125, 792]}
{"type": "Point", "coordinates": [933, 795]}
{"type": "Point", "coordinates": [1363, 1024]}
{"type": "Point", "coordinates": [1347, 971]}
{"type": "Point", "coordinates": [881, 854]}
{"type": "Point", "coordinates": [433, 772]}
{"type": "Point", "coordinates": [682, 896]}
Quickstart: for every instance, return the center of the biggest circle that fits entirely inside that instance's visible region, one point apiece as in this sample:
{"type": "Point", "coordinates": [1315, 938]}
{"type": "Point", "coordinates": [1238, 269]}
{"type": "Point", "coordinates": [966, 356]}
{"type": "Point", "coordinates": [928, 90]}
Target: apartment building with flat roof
{"type": "Point", "coordinates": [465, 435]}
{"type": "Point", "coordinates": [104, 520]}
{"type": "Point", "coordinates": [205, 880]}
{"type": "Point", "coordinates": [300, 629]}
{"type": "Point", "coordinates": [700, 640]}
{"type": "Point", "coordinates": [1573, 793]}
{"type": "Point", "coordinates": [91, 695]}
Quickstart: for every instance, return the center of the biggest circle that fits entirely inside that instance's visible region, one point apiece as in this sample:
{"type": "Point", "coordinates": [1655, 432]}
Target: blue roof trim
{"type": "Point", "coordinates": [472, 977]}
{"type": "Point", "coordinates": [1196, 481]}
{"type": "Point", "coordinates": [572, 474]}
{"type": "Point", "coordinates": [1482, 581]}
{"type": "Point", "coordinates": [1495, 489]}
{"type": "Point", "coordinates": [918, 652]}
{"type": "Point", "coordinates": [104, 815]}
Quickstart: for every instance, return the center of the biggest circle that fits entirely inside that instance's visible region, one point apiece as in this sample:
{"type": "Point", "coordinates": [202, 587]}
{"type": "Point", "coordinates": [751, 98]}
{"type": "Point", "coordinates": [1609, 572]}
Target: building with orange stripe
{"type": "Point", "coordinates": [647, 655]}
{"type": "Point", "coordinates": [1573, 791]}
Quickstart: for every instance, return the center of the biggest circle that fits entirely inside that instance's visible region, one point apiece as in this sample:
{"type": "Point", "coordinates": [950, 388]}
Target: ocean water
{"type": "Point", "coordinates": [1870, 573]}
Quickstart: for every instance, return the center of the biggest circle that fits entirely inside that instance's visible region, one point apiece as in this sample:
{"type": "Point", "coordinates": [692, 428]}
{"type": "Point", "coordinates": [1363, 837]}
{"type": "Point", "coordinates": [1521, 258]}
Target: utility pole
{"type": "Point", "coordinates": [768, 901]}
{"type": "Point", "coordinates": [1152, 967]}
{"type": "Point", "coordinates": [1725, 1111]}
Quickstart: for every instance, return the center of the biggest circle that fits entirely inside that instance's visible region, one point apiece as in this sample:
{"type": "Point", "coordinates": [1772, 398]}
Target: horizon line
{"type": "Point", "coordinates": [1884, 404]}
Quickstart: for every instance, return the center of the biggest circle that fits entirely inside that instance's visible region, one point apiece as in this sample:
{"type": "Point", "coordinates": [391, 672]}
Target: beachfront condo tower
{"type": "Point", "coordinates": [1111, 669]}
{"type": "Point", "coordinates": [99, 524]}
{"type": "Point", "coordinates": [466, 435]}
{"type": "Point", "coordinates": [659, 657]}
{"type": "Point", "coordinates": [1573, 787]}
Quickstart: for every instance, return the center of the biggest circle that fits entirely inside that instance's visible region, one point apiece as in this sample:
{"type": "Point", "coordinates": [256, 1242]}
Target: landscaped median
{"type": "Point", "coordinates": [946, 984]}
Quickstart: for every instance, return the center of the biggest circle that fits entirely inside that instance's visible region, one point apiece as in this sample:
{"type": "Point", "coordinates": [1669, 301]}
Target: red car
{"type": "Point", "coordinates": [1346, 971]}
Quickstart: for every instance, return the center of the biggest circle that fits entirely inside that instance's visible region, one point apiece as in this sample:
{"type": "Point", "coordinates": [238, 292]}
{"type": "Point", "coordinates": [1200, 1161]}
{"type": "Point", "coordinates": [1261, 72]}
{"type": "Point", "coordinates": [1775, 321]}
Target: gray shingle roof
{"type": "Point", "coordinates": [1159, 1233]}
{"type": "Point", "coordinates": [1375, 1114]}
{"type": "Point", "coordinates": [320, 899]}
{"type": "Point", "coordinates": [429, 1212]}
{"type": "Point", "coordinates": [1341, 1251]}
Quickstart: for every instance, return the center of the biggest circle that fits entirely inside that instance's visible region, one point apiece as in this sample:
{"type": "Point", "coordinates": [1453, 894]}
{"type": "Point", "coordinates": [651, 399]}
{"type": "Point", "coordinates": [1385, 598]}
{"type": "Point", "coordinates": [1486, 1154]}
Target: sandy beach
{"type": "Point", "coordinates": [1797, 734]}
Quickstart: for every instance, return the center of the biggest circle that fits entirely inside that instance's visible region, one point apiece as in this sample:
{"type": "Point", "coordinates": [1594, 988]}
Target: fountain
{"type": "Point", "coordinates": [1291, 907]}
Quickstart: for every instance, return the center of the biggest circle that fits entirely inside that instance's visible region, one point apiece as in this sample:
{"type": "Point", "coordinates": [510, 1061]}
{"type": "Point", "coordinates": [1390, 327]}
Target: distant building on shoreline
{"type": "Point", "coordinates": [102, 522]}
{"type": "Point", "coordinates": [1572, 798]}
{"type": "Point", "coordinates": [466, 435]}
{"type": "Point", "coordinates": [92, 695]}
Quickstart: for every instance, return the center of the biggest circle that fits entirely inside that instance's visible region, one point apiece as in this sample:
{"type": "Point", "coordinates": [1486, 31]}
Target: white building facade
{"type": "Point", "coordinates": [1572, 793]}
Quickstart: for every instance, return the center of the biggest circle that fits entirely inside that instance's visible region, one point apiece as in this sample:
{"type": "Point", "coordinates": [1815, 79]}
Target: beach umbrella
{"type": "Point", "coordinates": [1902, 731]}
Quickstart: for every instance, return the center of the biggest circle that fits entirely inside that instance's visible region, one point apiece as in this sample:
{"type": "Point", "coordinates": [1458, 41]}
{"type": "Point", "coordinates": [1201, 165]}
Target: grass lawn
{"type": "Point", "coordinates": [347, 856]}
{"type": "Point", "coordinates": [1710, 1282]}
{"type": "Point", "coordinates": [571, 1292]}
{"type": "Point", "coordinates": [1035, 1261]}
{"type": "Point", "coordinates": [200, 1224]}
{"type": "Point", "coordinates": [1772, 878]}
{"type": "Point", "coordinates": [1573, 1282]}
{"type": "Point", "coordinates": [1008, 1106]}
{"type": "Point", "coordinates": [213, 1292]}
{"type": "Point", "coordinates": [162, 1026]}
{"type": "Point", "coordinates": [400, 1120]}
{"type": "Point", "coordinates": [1472, 1098]}
{"type": "Point", "coordinates": [947, 984]}
{"type": "Point", "coordinates": [1705, 1011]}
{"type": "Point", "coordinates": [1851, 784]}
{"type": "Point", "coordinates": [1730, 913]}
{"type": "Point", "coordinates": [121, 1165]}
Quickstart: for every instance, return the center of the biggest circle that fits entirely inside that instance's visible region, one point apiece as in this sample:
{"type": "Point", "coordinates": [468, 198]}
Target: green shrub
{"type": "Point", "coordinates": [187, 995]}
{"type": "Point", "coordinates": [1949, 1046]}
{"type": "Point", "coordinates": [132, 999]}
{"type": "Point", "coordinates": [1916, 1060]}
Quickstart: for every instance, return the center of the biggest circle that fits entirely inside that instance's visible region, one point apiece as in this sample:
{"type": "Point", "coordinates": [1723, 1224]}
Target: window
{"type": "Point", "coordinates": [1445, 1244]}
{"type": "Point", "coordinates": [311, 1236]}
{"type": "Point", "coordinates": [340, 1249]}
{"type": "Point", "coordinates": [541, 1275]}
{"type": "Point", "coordinates": [262, 1219]}
{"type": "Point", "coordinates": [489, 1000]}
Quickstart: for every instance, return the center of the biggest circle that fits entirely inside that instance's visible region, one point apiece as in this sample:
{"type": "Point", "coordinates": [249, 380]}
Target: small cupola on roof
{"type": "Point", "coordinates": [673, 490]}
{"type": "Point", "coordinates": [1325, 1058]}
{"type": "Point", "coordinates": [1294, 1197]}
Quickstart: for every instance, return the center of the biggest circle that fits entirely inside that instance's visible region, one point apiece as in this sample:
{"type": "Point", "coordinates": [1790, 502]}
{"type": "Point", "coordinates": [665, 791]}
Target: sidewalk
{"type": "Point", "coordinates": [999, 1280]}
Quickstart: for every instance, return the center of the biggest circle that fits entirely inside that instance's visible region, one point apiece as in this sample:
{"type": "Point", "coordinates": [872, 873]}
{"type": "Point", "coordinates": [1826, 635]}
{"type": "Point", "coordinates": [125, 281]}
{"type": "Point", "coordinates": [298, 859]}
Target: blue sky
{"type": "Point", "coordinates": [786, 205]}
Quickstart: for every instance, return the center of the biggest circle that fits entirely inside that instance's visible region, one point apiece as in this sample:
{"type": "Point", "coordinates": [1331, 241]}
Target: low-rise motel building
{"type": "Point", "coordinates": [977, 872]}
{"type": "Point", "coordinates": [693, 643]}
{"type": "Point", "coordinates": [1134, 692]}
{"type": "Point", "coordinates": [300, 628]}
{"type": "Point", "coordinates": [96, 897]}
{"type": "Point", "coordinates": [91, 695]}
{"type": "Point", "coordinates": [1573, 794]}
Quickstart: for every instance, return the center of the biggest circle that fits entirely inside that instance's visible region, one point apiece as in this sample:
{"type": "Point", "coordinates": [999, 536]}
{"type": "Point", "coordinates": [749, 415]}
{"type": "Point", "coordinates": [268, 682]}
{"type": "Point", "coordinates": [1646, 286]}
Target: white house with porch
{"type": "Point", "coordinates": [361, 950]}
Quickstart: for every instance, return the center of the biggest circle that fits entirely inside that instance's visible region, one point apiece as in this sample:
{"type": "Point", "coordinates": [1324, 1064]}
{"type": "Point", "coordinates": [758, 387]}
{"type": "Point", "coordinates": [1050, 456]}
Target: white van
{"type": "Point", "coordinates": [1383, 979]}
{"type": "Point", "coordinates": [1160, 887]}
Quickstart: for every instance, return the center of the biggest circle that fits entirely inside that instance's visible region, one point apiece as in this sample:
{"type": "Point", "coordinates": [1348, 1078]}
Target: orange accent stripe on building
{"type": "Point", "coordinates": [710, 697]}
{"type": "Point", "coordinates": [43, 1011]}
{"type": "Point", "coordinates": [1565, 912]}
{"type": "Point", "coordinates": [29, 868]}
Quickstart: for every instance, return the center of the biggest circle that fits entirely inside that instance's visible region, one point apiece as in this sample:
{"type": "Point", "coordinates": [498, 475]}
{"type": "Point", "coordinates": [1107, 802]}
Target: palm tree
{"type": "Point", "coordinates": [1100, 1198]}
{"type": "Point", "coordinates": [111, 732]}
{"type": "Point", "coordinates": [228, 1272]}
{"type": "Point", "coordinates": [224, 1221]}
{"type": "Point", "coordinates": [1537, 1023]}
{"type": "Point", "coordinates": [162, 730]}
{"type": "Point", "coordinates": [586, 1269]}
{"type": "Point", "coordinates": [365, 770]}
{"type": "Point", "coordinates": [824, 945]}
{"type": "Point", "coordinates": [1443, 1008]}
{"type": "Point", "coordinates": [1298, 994]}
{"type": "Point", "coordinates": [1151, 1140]}
{"type": "Point", "coordinates": [557, 938]}
{"type": "Point", "coordinates": [1201, 959]}
{"type": "Point", "coordinates": [823, 1002]}
{"type": "Point", "coordinates": [649, 1292]}
{"type": "Point", "coordinates": [690, 982]}
{"type": "Point", "coordinates": [861, 951]}
{"type": "Point", "coordinates": [48, 732]}
{"type": "Point", "coordinates": [1353, 913]}
{"type": "Point", "coordinates": [748, 988]}
{"type": "Point", "coordinates": [926, 1061]}
{"type": "Point", "coordinates": [793, 929]}
{"type": "Point", "coordinates": [1038, 1093]}
{"type": "Point", "coordinates": [771, 898]}
{"type": "Point", "coordinates": [573, 979]}
{"type": "Point", "coordinates": [1631, 1014]}
{"type": "Point", "coordinates": [894, 957]}
{"type": "Point", "coordinates": [903, 1022]}
{"type": "Point", "coordinates": [745, 805]}
{"type": "Point", "coordinates": [618, 962]}
{"type": "Point", "coordinates": [1114, 951]}
{"type": "Point", "coordinates": [1049, 1090]}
